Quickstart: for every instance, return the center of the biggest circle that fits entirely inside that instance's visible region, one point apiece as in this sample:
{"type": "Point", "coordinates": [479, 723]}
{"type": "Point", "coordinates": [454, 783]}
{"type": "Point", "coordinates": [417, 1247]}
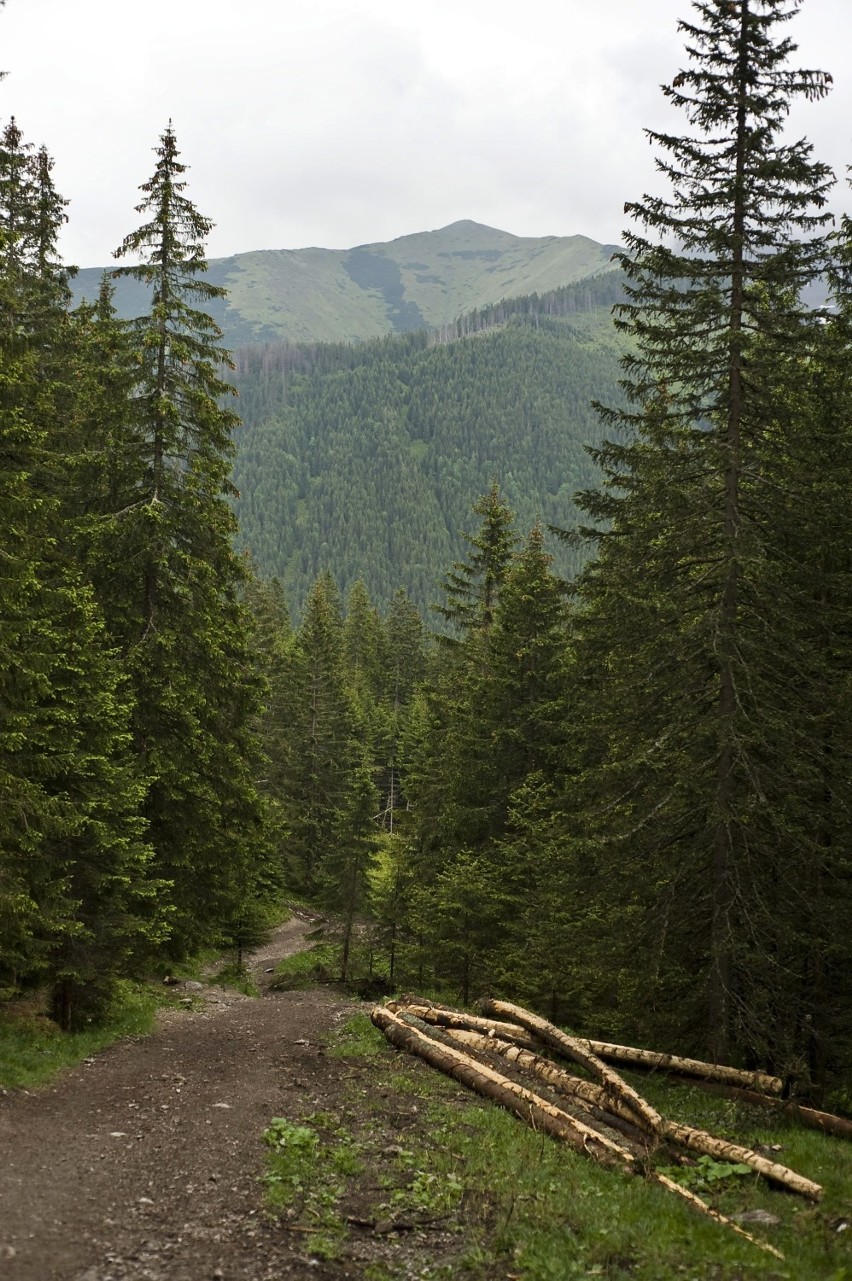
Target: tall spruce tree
{"type": "Point", "coordinates": [174, 579]}
{"type": "Point", "coordinates": [694, 762]}
{"type": "Point", "coordinates": [75, 898]}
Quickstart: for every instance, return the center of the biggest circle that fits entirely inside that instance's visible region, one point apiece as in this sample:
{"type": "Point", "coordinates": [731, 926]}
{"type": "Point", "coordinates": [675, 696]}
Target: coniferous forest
{"type": "Point", "coordinates": [602, 764]}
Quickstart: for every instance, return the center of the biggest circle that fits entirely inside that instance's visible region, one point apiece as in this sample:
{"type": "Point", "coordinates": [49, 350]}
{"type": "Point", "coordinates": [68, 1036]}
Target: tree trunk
{"type": "Point", "coordinates": [443, 1017]}
{"type": "Point", "coordinates": [530, 1107]}
{"type": "Point", "coordinates": [602, 1105]}
{"type": "Point", "coordinates": [687, 1067]}
{"type": "Point", "coordinates": [615, 1086]}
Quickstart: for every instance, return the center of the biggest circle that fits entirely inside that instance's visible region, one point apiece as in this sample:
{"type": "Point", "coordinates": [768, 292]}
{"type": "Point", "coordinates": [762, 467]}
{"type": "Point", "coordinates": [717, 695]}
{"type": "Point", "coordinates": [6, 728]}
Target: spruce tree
{"type": "Point", "coordinates": [316, 775]}
{"type": "Point", "coordinates": [175, 580]}
{"type": "Point", "coordinates": [472, 586]}
{"type": "Point", "coordinates": [75, 894]}
{"type": "Point", "coordinates": [688, 737]}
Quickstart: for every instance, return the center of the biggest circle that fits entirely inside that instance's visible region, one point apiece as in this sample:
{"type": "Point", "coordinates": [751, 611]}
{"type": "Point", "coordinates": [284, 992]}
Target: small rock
{"type": "Point", "coordinates": [221, 1105]}
{"type": "Point", "coordinates": [757, 1216]}
{"type": "Point", "coordinates": [118, 1134]}
{"type": "Point", "coordinates": [8, 1252]}
{"type": "Point", "coordinates": [301, 1041]}
{"type": "Point", "coordinates": [192, 985]}
{"type": "Point", "coordinates": [145, 1200]}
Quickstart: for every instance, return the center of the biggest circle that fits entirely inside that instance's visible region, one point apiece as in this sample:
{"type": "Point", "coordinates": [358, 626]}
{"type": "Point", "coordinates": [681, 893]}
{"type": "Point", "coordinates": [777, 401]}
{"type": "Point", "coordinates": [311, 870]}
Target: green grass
{"type": "Point", "coordinates": [319, 964]}
{"type": "Point", "coordinates": [237, 977]}
{"type": "Point", "coordinates": [532, 1209]}
{"type": "Point", "coordinates": [358, 1039]}
{"type": "Point", "coordinates": [306, 1177]}
{"type": "Point", "coordinates": [33, 1049]}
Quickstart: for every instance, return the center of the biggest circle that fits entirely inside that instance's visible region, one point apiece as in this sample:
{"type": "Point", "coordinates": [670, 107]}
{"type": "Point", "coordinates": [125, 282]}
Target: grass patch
{"type": "Point", "coordinates": [33, 1049]}
{"type": "Point", "coordinates": [237, 977]}
{"type": "Point", "coordinates": [306, 1177]}
{"type": "Point", "coordinates": [319, 964]}
{"type": "Point", "coordinates": [358, 1038]}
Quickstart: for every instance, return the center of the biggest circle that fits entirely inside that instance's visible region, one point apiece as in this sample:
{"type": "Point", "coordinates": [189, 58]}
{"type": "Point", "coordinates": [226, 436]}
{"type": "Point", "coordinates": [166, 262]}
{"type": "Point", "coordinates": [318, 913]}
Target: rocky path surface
{"type": "Point", "coordinates": [143, 1164]}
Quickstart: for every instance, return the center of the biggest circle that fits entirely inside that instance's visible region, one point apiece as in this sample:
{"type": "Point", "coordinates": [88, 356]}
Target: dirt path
{"type": "Point", "coordinates": [143, 1164]}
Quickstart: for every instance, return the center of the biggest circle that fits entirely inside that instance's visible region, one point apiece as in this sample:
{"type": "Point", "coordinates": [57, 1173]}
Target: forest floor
{"type": "Point", "coordinates": [146, 1162]}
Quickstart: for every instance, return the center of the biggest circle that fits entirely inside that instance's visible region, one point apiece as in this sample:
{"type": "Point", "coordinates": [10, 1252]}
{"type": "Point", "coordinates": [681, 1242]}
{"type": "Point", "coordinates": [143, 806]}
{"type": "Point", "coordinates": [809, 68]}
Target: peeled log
{"type": "Point", "coordinates": [530, 1107]}
{"type": "Point", "coordinates": [591, 1096]}
{"type": "Point", "coordinates": [685, 1136]}
{"type": "Point", "coordinates": [536, 1111]}
{"type": "Point", "coordinates": [570, 1046]}
{"type": "Point", "coordinates": [441, 1016]}
{"type": "Point", "coordinates": [686, 1067]}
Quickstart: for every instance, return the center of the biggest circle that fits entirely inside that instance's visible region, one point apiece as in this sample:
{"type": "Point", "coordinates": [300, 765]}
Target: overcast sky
{"type": "Point", "coordinates": [339, 122]}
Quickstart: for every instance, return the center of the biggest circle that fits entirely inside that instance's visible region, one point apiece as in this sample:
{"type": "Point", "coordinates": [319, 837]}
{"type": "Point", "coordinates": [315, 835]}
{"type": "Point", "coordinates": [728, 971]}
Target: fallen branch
{"type": "Point", "coordinates": [696, 1201]}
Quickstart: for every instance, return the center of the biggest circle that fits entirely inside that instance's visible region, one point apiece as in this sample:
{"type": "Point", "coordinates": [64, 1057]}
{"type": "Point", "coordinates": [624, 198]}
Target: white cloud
{"type": "Point", "coordinates": [336, 122]}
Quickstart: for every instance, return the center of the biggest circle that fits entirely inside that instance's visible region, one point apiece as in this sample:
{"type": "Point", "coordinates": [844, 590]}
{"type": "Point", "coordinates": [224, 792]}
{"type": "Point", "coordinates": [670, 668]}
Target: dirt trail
{"type": "Point", "coordinates": [143, 1164]}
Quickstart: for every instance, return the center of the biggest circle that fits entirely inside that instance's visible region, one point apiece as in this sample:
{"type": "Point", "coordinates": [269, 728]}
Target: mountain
{"type": "Point", "coordinates": [365, 459]}
{"type": "Point", "coordinates": [425, 280]}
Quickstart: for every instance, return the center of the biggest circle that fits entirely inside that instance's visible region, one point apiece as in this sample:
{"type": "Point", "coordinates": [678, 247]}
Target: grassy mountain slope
{"type": "Point", "coordinates": [420, 281]}
{"type": "Point", "coordinates": [365, 459]}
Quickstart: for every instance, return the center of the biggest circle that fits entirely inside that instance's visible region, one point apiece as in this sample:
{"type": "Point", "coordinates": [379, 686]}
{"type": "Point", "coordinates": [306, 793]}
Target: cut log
{"type": "Point", "coordinates": [827, 1122]}
{"type": "Point", "coordinates": [442, 1016]}
{"type": "Point", "coordinates": [643, 1114]}
{"type": "Point", "coordinates": [536, 1111]}
{"type": "Point", "coordinates": [685, 1136]}
{"type": "Point", "coordinates": [654, 1061]}
{"type": "Point", "coordinates": [590, 1096]}
{"type": "Point", "coordinates": [533, 1109]}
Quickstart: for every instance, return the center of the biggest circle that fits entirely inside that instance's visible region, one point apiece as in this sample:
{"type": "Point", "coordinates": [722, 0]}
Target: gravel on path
{"type": "Point", "coordinates": [143, 1163]}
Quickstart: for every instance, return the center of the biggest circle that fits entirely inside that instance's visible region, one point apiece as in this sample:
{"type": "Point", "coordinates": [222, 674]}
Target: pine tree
{"type": "Point", "coordinates": [688, 735]}
{"type": "Point", "coordinates": [315, 778]}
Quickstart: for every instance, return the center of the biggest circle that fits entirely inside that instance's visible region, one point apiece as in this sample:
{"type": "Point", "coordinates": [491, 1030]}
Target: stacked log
{"type": "Point", "coordinates": [616, 1126]}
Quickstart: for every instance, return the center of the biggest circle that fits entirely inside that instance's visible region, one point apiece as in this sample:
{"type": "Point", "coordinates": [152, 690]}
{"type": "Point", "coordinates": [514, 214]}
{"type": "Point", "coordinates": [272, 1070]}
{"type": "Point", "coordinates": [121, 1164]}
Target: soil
{"type": "Point", "coordinates": [144, 1163]}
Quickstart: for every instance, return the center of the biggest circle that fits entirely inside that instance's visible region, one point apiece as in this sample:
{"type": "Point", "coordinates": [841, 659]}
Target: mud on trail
{"type": "Point", "coordinates": [144, 1164]}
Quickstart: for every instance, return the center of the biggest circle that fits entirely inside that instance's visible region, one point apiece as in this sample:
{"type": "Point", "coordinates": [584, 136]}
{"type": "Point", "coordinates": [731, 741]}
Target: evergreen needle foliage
{"type": "Point", "coordinates": [705, 785]}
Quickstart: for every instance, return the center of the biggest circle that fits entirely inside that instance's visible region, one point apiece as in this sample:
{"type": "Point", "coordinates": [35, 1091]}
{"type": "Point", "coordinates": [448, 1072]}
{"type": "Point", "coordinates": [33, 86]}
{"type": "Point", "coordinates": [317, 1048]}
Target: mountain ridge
{"type": "Point", "coordinates": [419, 280]}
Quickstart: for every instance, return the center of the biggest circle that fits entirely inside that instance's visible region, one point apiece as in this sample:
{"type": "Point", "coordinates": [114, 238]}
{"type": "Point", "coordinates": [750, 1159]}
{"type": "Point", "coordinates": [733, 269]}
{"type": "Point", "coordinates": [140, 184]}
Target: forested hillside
{"type": "Point", "coordinates": [415, 282]}
{"type": "Point", "coordinates": [365, 459]}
